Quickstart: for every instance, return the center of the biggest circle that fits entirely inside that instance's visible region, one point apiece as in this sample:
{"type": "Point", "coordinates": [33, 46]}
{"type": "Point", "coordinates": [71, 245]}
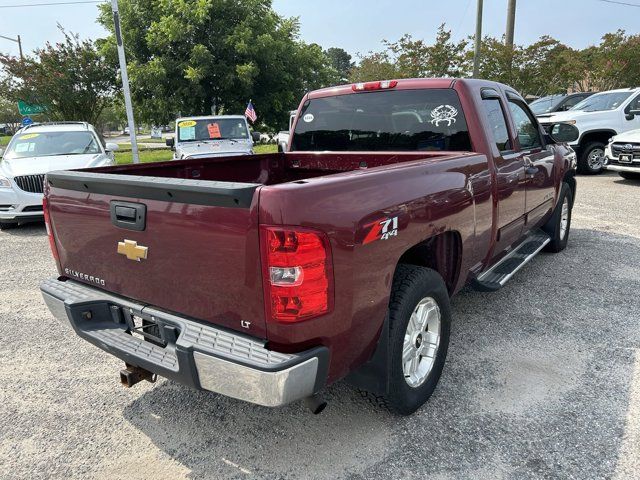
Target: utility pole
{"type": "Point", "coordinates": [125, 82]}
{"type": "Point", "coordinates": [15, 40]}
{"type": "Point", "coordinates": [511, 21]}
{"type": "Point", "coordinates": [478, 41]}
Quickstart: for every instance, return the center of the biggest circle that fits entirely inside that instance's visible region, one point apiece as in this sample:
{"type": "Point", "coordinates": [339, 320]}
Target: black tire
{"type": "Point", "coordinates": [583, 161]}
{"type": "Point", "coordinates": [7, 225]}
{"type": "Point", "coordinates": [552, 227]}
{"type": "Point", "coordinates": [630, 175]}
{"type": "Point", "coordinates": [411, 284]}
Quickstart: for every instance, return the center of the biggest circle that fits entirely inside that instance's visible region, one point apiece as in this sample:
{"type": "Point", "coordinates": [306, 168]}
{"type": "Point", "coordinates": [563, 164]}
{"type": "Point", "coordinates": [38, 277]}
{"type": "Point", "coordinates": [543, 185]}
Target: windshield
{"type": "Point", "coordinates": [602, 101]}
{"type": "Point", "coordinates": [46, 144]}
{"type": "Point", "coordinates": [212, 129]}
{"type": "Point", "coordinates": [411, 120]}
{"type": "Point", "coordinates": [545, 104]}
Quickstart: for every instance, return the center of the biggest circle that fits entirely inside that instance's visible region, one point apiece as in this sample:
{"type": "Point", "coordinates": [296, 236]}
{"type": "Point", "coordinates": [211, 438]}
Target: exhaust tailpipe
{"type": "Point", "coordinates": [315, 403]}
{"type": "Point", "coordinates": [132, 375]}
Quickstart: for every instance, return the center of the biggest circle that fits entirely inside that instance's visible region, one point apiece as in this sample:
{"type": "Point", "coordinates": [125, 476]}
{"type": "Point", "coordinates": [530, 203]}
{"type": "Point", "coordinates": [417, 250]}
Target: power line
{"type": "Point", "coordinates": [49, 4]}
{"type": "Point", "coordinates": [620, 3]}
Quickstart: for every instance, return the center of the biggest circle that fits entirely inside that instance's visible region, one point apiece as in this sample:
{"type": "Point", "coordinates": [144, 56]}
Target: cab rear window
{"type": "Point", "coordinates": [390, 120]}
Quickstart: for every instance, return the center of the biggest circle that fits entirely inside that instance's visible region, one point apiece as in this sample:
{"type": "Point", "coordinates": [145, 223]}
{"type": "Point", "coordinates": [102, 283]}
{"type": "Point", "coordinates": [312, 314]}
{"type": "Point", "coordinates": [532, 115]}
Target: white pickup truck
{"type": "Point", "coordinates": [212, 136]}
{"type": "Point", "coordinates": [598, 118]}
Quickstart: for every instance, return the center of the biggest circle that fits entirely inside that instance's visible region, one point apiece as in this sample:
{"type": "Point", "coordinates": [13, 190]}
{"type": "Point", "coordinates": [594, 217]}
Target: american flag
{"type": "Point", "coordinates": [250, 113]}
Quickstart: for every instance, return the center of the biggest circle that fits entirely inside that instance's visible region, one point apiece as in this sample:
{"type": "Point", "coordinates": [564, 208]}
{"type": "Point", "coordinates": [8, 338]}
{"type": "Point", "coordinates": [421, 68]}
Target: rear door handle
{"type": "Point", "coordinates": [129, 215]}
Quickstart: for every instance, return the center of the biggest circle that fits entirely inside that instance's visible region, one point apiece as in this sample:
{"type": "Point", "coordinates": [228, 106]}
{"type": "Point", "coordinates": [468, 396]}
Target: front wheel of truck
{"type": "Point", "coordinates": [419, 326]}
{"type": "Point", "coordinates": [560, 222]}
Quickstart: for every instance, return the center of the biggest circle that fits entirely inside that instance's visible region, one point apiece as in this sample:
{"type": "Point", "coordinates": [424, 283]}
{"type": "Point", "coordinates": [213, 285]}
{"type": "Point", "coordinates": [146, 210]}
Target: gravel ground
{"type": "Point", "coordinates": [542, 381]}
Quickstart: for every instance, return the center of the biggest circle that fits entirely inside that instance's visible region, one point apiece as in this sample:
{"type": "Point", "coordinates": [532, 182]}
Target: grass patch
{"type": "Point", "coordinates": [127, 146]}
{"type": "Point", "coordinates": [4, 140]}
{"type": "Point", "coordinates": [266, 148]}
{"type": "Point", "coordinates": [146, 156]}
{"type": "Point", "coordinates": [161, 155]}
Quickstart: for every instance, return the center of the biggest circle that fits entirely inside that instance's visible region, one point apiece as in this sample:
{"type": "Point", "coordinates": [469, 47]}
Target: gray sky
{"type": "Point", "coordinates": [360, 25]}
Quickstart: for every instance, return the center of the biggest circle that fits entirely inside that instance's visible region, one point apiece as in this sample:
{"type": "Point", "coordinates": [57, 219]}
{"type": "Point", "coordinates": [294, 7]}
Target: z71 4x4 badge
{"type": "Point", "coordinates": [382, 229]}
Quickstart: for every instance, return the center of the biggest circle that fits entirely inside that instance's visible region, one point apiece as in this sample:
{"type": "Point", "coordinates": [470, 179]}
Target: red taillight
{"type": "Point", "coordinates": [298, 273]}
{"type": "Point", "coordinates": [47, 222]}
{"type": "Point", "coordinates": [367, 86]}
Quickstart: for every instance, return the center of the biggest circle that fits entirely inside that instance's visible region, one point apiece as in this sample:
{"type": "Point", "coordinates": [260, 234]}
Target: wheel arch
{"type": "Point", "coordinates": [441, 252]}
{"type": "Point", "coordinates": [570, 179]}
{"type": "Point", "coordinates": [602, 135]}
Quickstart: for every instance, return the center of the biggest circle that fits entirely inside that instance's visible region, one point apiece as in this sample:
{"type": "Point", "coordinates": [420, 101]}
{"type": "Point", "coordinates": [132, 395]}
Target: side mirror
{"type": "Point", "coordinates": [170, 142]}
{"type": "Point", "coordinates": [630, 114]}
{"type": "Point", "coordinates": [563, 132]}
{"type": "Point", "coordinates": [255, 136]}
{"type": "Point", "coordinates": [111, 147]}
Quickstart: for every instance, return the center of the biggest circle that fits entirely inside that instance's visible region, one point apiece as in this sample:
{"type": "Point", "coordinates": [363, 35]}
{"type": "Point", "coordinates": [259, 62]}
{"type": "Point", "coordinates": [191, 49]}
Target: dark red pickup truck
{"type": "Point", "coordinates": [268, 277]}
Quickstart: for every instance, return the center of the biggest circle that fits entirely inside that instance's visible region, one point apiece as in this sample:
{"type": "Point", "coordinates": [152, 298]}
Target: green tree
{"type": "Point", "coordinates": [71, 79]}
{"type": "Point", "coordinates": [410, 58]}
{"type": "Point", "coordinates": [542, 68]}
{"type": "Point", "coordinates": [611, 64]}
{"type": "Point", "coordinates": [340, 60]}
{"type": "Point", "coordinates": [9, 114]}
{"type": "Point", "coordinates": [195, 57]}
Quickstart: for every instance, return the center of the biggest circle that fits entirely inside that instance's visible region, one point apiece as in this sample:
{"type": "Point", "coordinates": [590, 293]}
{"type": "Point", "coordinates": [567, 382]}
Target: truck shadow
{"type": "Point", "coordinates": [34, 229]}
{"type": "Point", "coordinates": [537, 384]}
{"type": "Point", "coordinates": [219, 437]}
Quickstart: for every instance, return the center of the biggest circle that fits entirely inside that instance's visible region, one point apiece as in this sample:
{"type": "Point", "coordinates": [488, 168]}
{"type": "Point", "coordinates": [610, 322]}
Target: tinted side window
{"type": "Point", "coordinates": [570, 102]}
{"type": "Point", "coordinates": [498, 124]}
{"type": "Point", "coordinates": [635, 104]}
{"type": "Point", "coordinates": [526, 126]}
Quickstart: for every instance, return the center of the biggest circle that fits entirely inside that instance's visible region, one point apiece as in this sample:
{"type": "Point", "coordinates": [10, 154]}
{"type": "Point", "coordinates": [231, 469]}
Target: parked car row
{"type": "Point", "coordinates": [599, 118]}
{"type": "Point", "coordinates": [608, 124]}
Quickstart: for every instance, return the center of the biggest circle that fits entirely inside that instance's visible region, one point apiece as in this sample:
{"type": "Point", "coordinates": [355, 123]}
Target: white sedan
{"type": "Point", "coordinates": [36, 150]}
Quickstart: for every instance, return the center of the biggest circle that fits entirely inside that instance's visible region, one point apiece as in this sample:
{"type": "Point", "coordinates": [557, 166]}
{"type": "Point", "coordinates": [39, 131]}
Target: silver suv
{"type": "Point", "coordinates": [36, 150]}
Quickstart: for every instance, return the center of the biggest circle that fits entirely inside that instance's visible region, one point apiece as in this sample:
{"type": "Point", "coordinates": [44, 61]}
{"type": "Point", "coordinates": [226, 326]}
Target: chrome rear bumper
{"type": "Point", "coordinates": [192, 353]}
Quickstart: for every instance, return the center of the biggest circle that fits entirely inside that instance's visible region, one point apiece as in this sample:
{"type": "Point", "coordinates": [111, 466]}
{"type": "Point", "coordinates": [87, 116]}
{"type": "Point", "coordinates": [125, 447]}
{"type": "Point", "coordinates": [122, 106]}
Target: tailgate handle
{"type": "Point", "coordinates": [129, 215]}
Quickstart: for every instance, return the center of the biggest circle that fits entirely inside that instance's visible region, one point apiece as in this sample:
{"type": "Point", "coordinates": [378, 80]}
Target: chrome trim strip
{"type": "Point", "coordinates": [503, 279]}
{"type": "Point", "coordinates": [270, 389]}
{"type": "Point", "coordinates": [57, 308]}
{"type": "Point", "coordinates": [527, 260]}
{"type": "Point", "coordinates": [619, 168]}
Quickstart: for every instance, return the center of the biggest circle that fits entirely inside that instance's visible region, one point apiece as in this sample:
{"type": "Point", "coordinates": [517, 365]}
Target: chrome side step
{"type": "Point", "coordinates": [495, 278]}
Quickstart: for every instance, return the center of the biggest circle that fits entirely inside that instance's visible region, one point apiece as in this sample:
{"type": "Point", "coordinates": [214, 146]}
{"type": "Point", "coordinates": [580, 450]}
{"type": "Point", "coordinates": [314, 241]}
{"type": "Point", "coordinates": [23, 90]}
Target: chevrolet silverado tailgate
{"type": "Point", "coordinates": [185, 246]}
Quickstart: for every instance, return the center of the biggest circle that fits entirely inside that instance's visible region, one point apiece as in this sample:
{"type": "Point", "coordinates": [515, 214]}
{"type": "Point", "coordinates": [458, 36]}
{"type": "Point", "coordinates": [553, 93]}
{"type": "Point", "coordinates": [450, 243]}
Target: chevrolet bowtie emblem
{"type": "Point", "coordinates": [132, 250]}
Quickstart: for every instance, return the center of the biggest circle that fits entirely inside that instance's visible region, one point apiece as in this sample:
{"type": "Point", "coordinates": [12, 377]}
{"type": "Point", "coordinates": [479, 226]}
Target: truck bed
{"type": "Point", "coordinates": [201, 229]}
{"type": "Point", "coordinates": [269, 169]}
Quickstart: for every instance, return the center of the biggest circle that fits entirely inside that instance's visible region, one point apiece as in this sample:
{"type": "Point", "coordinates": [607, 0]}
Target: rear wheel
{"type": "Point", "coordinates": [591, 158]}
{"type": "Point", "coordinates": [560, 222]}
{"type": "Point", "coordinates": [630, 175]}
{"type": "Point", "coordinates": [419, 325]}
